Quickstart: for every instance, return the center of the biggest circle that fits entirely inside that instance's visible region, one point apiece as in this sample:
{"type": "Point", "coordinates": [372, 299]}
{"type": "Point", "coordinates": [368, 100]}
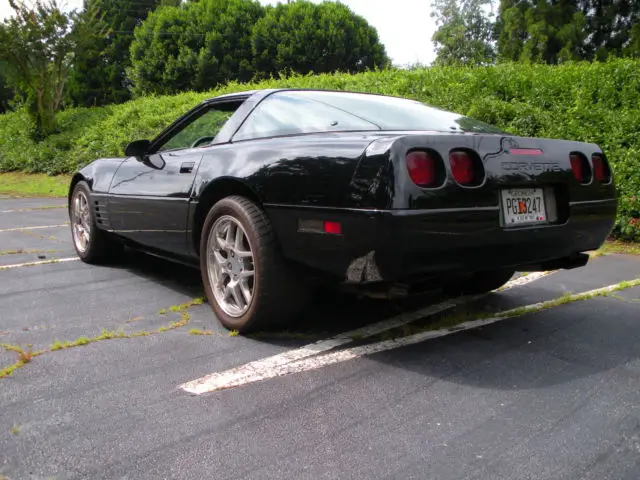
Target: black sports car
{"type": "Point", "coordinates": [267, 189]}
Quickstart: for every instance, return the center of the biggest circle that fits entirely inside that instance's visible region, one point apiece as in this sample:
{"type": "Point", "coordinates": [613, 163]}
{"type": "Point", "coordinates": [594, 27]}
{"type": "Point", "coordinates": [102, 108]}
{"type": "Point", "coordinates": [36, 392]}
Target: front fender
{"type": "Point", "coordinates": [98, 175]}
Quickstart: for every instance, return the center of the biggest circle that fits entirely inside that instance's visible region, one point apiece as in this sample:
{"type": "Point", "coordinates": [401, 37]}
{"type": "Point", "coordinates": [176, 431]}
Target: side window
{"type": "Point", "coordinates": [202, 130]}
{"type": "Point", "coordinates": [289, 113]}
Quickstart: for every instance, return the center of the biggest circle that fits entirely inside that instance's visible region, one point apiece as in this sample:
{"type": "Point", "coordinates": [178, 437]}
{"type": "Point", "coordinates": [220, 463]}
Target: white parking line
{"type": "Point", "coordinates": [41, 262]}
{"type": "Point", "coordinates": [270, 367]}
{"type": "Point", "coordinates": [17, 229]}
{"type": "Point", "coordinates": [357, 352]}
{"type": "Point", "coordinates": [31, 209]}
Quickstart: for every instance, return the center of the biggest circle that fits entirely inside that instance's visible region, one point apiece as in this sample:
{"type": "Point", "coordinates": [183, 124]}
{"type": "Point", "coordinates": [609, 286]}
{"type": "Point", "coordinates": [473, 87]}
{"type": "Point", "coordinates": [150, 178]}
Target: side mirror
{"type": "Point", "coordinates": [138, 148]}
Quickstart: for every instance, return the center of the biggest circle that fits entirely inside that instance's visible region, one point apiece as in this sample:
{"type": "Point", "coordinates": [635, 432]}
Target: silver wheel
{"type": "Point", "coordinates": [81, 221]}
{"type": "Point", "coordinates": [230, 266]}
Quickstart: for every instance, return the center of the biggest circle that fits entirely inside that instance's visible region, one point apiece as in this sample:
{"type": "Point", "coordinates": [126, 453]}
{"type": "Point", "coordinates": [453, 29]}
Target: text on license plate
{"type": "Point", "coordinates": [523, 206]}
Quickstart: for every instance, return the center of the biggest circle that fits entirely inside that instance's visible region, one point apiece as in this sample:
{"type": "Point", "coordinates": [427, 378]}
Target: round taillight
{"type": "Point", "coordinates": [422, 168]}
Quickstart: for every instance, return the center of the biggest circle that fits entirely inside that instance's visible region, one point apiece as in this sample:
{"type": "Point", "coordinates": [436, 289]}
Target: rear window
{"type": "Point", "coordinates": [294, 112]}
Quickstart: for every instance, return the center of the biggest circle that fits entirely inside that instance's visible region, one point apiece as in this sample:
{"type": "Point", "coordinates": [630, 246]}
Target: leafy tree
{"type": "Point", "coordinates": [305, 37]}
{"type": "Point", "coordinates": [632, 49]}
{"type": "Point", "coordinates": [104, 32]}
{"type": "Point", "coordinates": [6, 92]}
{"type": "Point", "coordinates": [464, 34]}
{"type": "Point", "coordinates": [552, 31]}
{"type": "Point", "coordinates": [38, 48]}
{"type": "Point", "coordinates": [194, 47]}
{"type": "Point", "coordinates": [610, 26]}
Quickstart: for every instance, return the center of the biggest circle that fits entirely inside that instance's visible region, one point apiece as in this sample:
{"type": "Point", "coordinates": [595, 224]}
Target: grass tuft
{"type": "Point", "coordinates": [618, 246]}
{"type": "Point", "coordinates": [197, 331]}
{"type": "Point", "coordinates": [24, 357]}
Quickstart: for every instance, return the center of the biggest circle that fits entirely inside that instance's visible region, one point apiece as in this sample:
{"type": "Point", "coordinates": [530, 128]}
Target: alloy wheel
{"type": "Point", "coordinates": [230, 266]}
{"type": "Point", "coordinates": [81, 221]}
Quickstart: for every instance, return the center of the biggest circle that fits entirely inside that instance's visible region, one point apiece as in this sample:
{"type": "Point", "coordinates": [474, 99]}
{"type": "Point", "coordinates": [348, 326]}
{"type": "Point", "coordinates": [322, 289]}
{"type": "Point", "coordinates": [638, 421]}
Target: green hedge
{"type": "Point", "coordinates": [595, 102]}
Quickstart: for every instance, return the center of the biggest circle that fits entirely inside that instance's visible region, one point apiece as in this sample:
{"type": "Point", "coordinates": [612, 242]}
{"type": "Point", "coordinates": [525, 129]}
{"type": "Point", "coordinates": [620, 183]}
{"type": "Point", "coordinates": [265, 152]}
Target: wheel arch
{"type": "Point", "coordinates": [77, 177]}
{"type": "Point", "coordinates": [214, 192]}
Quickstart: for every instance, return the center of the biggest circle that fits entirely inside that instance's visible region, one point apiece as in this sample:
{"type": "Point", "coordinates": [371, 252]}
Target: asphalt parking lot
{"type": "Point", "coordinates": [132, 378]}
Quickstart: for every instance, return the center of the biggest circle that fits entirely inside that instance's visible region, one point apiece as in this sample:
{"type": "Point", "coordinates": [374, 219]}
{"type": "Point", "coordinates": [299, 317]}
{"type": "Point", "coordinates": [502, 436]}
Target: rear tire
{"type": "Point", "coordinates": [481, 282]}
{"type": "Point", "coordinates": [92, 245]}
{"type": "Point", "coordinates": [246, 280]}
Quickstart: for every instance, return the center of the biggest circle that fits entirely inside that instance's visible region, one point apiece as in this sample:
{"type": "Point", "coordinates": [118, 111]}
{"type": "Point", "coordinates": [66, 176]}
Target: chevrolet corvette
{"type": "Point", "coordinates": [272, 192]}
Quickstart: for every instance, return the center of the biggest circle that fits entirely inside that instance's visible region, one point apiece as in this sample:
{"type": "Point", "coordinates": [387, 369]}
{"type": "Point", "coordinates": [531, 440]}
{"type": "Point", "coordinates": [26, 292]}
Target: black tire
{"type": "Point", "coordinates": [481, 282]}
{"type": "Point", "coordinates": [101, 247]}
{"type": "Point", "coordinates": [277, 295]}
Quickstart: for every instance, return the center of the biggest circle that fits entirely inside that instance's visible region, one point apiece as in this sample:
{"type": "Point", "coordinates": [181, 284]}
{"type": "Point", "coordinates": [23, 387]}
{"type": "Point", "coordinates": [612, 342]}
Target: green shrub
{"type": "Point", "coordinates": [593, 102]}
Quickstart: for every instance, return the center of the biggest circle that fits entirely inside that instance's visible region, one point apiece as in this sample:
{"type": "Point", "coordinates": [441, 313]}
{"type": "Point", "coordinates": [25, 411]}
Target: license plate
{"type": "Point", "coordinates": [523, 206]}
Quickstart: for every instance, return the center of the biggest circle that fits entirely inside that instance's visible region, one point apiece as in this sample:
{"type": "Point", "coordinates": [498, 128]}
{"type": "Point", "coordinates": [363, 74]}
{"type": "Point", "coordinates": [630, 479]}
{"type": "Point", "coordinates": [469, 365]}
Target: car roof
{"type": "Point", "coordinates": [240, 94]}
{"type": "Point", "coordinates": [261, 93]}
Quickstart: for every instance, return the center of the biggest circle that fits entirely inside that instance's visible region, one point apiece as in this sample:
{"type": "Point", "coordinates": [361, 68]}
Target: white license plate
{"type": "Point", "coordinates": [523, 206]}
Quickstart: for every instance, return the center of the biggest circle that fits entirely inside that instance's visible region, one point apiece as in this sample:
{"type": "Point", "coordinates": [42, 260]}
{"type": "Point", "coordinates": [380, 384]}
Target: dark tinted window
{"type": "Point", "coordinates": [392, 113]}
{"type": "Point", "coordinates": [292, 112]}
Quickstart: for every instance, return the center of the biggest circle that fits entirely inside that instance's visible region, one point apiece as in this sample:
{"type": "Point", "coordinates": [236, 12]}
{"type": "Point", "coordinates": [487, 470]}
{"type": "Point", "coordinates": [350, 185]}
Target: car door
{"type": "Point", "coordinates": [149, 196]}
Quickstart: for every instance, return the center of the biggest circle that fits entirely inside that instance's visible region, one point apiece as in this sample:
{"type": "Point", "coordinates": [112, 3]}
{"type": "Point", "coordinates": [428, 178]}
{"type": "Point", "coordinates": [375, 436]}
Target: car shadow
{"type": "Point", "coordinates": [175, 276]}
{"type": "Point", "coordinates": [328, 312]}
{"type": "Point", "coordinates": [534, 351]}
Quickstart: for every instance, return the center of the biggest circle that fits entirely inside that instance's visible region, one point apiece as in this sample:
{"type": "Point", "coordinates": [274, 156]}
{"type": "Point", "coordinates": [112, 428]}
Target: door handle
{"type": "Point", "coordinates": [187, 167]}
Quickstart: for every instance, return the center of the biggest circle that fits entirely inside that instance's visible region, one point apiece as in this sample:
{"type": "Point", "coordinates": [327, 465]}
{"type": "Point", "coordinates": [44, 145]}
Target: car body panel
{"type": "Point", "coordinates": [393, 230]}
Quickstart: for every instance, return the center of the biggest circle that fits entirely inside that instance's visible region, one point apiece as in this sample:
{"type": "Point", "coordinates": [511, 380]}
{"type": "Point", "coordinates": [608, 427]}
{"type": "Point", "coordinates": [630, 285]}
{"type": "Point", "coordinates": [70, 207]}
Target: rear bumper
{"type": "Point", "coordinates": [400, 245]}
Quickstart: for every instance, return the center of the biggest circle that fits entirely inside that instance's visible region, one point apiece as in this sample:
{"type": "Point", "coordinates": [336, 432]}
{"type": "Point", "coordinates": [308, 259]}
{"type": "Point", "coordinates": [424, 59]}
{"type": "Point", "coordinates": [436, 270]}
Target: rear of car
{"type": "Point", "coordinates": [477, 202]}
{"type": "Point", "coordinates": [435, 194]}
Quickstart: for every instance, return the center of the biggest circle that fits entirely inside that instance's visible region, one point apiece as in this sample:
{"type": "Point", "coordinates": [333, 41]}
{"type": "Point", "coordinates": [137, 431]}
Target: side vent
{"type": "Point", "coordinates": [100, 212]}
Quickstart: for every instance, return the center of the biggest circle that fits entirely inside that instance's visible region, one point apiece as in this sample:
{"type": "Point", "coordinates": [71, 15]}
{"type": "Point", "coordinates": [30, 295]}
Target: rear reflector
{"type": "Point", "coordinates": [580, 167]}
{"type": "Point", "coordinates": [307, 225]}
{"type": "Point", "coordinates": [422, 168]}
{"type": "Point", "coordinates": [333, 228]}
{"type": "Point", "coordinates": [462, 167]}
{"type": "Point", "coordinates": [600, 168]}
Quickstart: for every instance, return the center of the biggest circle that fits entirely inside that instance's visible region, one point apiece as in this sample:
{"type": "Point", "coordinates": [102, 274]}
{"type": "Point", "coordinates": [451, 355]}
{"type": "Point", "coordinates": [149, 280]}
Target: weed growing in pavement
{"type": "Point", "coordinates": [25, 357]}
{"type": "Point", "coordinates": [234, 333]}
{"type": "Point", "coordinates": [15, 429]}
{"type": "Point", "coordinates": [454, 321]}
{"type": "Point", "coordinates": [40, 262]}
{"type": "Point", "coordinates": [21, 250]}
{"type": "Point", "coordinates": [197, 331]}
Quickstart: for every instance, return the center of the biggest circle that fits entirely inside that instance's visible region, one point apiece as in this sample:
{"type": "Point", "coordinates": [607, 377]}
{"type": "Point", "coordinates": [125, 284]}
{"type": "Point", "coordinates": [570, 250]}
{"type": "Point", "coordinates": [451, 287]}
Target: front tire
{"type": "Point", "coordinates": [91, 244]}
{"type": "Point", "coordinates": [247, 282]}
